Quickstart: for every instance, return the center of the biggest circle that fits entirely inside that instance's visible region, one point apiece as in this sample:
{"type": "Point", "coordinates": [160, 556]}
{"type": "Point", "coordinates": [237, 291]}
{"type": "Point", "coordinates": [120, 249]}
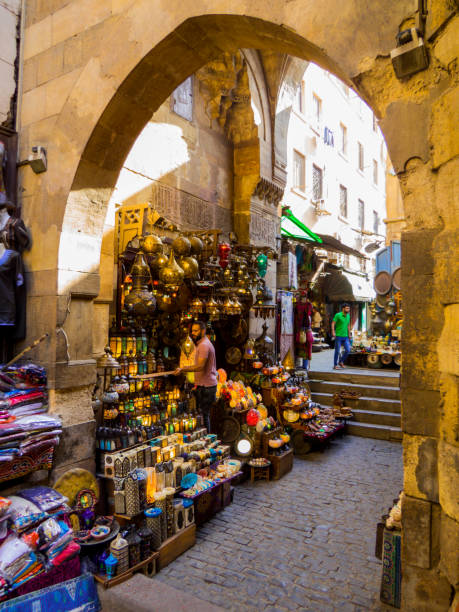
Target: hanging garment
{"type": "Point", "coordinates": [11, 278]}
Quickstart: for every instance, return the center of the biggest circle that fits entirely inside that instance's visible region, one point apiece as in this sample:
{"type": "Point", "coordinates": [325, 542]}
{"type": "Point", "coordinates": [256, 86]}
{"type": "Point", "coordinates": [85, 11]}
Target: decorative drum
{"type": "Point", "coordinates": [154, 519]}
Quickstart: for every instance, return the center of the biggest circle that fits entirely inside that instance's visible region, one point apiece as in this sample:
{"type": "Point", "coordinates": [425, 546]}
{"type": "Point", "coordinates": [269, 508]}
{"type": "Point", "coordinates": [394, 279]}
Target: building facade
{"type": "Point", "coordinates": [337, 161]}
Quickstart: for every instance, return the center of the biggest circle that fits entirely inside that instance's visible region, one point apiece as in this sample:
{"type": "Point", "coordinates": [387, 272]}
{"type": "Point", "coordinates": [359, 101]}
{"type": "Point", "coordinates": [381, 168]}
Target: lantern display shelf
{"type": "Point", "coordinates": [323, 437]}
{"type": "Point", "coordinates": [115, 528]}
{"type": "Point", "coordinates": [154, 375]}
{"type": "Point", "coordinates": [217, 484]}
{"type": "Point", "coordinates": [110, 582]}
{"type": "Point", "coordinates": [127, 448]}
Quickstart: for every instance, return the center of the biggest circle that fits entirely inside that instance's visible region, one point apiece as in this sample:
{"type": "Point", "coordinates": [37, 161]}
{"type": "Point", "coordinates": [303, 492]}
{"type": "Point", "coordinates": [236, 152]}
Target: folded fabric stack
{"type": "Point", "coordinates": [27, 433]}
{"type": "Point", "coordinates": [35, 536]}
{"type": "Point", "coordinates": [23, 390]}
{"type": "Point", "coordinates": [24, 429]}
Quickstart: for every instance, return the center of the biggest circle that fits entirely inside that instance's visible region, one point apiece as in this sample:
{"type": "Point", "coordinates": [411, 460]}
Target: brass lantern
{"type": "Point", "coordinates": [151, 244]}
{"type": "Point", "coordinates": [196, 245]}
{"type": "Point", "coordinates": [237, 307]}
{"type": "Point", "coordinates": [212, 308]}
{"type": "Point", "coordinates": [228, 306]}
{"type": "Point", "coordinates": [196, 306]}
{"type": "Point", "coordinates": [190, 267]}
{"type": "Point", "coordinates": [181, 246]}
{"type": "Point", "coordinates": [140, 302]}
{"type": "Point", "coordinates": [171, 274]}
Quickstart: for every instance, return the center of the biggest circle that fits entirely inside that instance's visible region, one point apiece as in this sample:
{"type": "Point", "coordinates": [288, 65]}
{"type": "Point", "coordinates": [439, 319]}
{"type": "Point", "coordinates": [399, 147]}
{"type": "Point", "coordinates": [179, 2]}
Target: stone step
{"type": "Point", "coordinates": [329, 386]}
{"type": "Point", "coordinates": [377, 417]}
{"type": "Point", "coordinates": [351, 377]}
{"type": "Point", "coordinates": [363, 403]}
{"type": "Point", "coordinates": [370, 430]}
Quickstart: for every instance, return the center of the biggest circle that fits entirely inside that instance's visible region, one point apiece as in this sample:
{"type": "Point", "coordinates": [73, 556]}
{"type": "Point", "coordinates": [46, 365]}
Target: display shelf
{"type": "Point", "coordinates": [127, 448]}
{"type": "Point", "coordinates": [118, 579]}
{"type": "Point", "coordinates": [155, 375]}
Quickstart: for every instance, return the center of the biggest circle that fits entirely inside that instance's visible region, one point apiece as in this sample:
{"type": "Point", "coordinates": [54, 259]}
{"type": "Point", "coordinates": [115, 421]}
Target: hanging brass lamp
{"type": "Point", "coordinates": [151, 244]}
{"type": "Point", "coordinates": [107, 360]}
{"type": "Point", "coordinates": [189, 266]}
{"type": "Point", "coordinates": [196, 306]}
{"type": "Point", "coordinates": [188, 346]}
{"type": "Point", "coordinates": [181, 246]}
{"type": "Point", "coordinates": [171, 274]}
{"type": "Point", "coordinates": [196, 245]}
{"type": "Point", "coordinates": [212, 307]}
{"type": "Point", "coordinates": [140, 301]}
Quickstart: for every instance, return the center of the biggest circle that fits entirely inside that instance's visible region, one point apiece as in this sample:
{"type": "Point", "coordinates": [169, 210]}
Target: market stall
{"type": "Point", "coordinates": [161, 472]}
{"type": "Point", "coordinates": [382, 348]}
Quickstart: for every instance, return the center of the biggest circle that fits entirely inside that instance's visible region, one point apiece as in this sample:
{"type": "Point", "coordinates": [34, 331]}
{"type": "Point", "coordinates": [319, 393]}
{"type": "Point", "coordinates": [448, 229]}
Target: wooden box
{"type": "Point", "coordinates": [281, 464]}
{"type": "Point", "coordinates": [173, 547]}
{"type": "Point", "coordinates": [207, 504]}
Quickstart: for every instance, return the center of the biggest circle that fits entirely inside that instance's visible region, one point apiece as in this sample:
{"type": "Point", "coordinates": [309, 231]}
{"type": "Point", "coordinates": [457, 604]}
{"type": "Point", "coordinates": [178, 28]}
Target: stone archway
{"type": "Point", "coordinates": [92, 81]}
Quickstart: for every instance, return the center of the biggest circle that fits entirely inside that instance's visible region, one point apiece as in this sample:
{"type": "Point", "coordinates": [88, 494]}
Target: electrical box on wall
{"type": "Point", "coordinates": [410, 55]}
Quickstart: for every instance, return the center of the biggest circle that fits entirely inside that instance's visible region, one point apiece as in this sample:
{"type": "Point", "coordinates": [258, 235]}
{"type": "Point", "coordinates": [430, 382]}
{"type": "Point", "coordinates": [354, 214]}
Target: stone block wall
{"type": "Point", "coordinates": [94, 77]}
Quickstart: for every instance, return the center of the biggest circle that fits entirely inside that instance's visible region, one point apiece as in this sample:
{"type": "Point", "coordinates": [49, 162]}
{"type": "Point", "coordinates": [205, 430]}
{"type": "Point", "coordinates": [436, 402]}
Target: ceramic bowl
{"type": "Point", "coordinates": [100, 532]}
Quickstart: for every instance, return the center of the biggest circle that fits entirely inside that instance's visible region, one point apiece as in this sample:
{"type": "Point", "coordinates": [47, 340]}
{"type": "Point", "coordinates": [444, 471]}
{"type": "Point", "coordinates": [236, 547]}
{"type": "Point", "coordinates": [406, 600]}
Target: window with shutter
{"type": "Point", "coordinates": [361, 213]}
{"type": "Point", "coordinates": [361, 156]}
{"type": "Point", "coordinates": [343, 201]}
{"type": "Point", "coordinates": [298, 170]}
{"type": "Point", "coordinates": [317, 180]}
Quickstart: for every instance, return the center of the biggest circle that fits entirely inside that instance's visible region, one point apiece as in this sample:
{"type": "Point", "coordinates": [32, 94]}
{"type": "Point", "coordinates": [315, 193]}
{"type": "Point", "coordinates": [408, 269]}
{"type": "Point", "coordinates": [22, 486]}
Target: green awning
{"type": "Point", "coordinates": [290, 225]}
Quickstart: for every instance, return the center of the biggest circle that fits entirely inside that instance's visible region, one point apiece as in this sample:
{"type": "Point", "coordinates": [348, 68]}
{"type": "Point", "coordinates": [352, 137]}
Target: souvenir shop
{"type": "Point", "coordinates": [160, 472]}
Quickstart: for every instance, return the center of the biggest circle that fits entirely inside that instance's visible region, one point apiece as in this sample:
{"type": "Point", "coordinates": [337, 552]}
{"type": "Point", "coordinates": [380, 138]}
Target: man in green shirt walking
{"type": "Point", "coordinates": [341, 333]}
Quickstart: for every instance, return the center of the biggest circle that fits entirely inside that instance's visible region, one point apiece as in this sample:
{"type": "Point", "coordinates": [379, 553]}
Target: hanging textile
{"type": "Point", "coordinates": [286, 323]}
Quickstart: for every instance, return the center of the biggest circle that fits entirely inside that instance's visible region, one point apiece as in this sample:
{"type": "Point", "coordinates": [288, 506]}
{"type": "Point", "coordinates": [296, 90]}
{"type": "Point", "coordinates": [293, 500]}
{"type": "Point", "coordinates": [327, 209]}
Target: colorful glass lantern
{"type": "Point", "coordinates": [253, 417]}
{"type": "Point", "coordinates": [249, 350]}
{"type": "Point", "coordinates": [110, 566]}
{"type": "Point", "coordinates": [116, 342]}
{"type": "Point", "coordinates": [224, 251]}
{"type": "Point", "coordinates": [262, 264]}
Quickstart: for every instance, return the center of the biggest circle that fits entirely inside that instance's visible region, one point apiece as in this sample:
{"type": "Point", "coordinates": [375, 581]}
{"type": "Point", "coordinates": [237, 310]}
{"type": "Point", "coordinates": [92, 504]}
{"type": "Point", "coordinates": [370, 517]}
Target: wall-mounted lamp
{"type": "Point", "coordinates": [37, 161]}
{"type": "Point", "coordinates": [410, 55]}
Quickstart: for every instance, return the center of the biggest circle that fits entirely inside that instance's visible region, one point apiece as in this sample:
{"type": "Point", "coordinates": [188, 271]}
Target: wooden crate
{"type": "Point", "coordinates": [173, 547]}
{"type": "Point", "coordinates": [148, 567]}
{"type": "Point", "coordinates": [281, 464]}
{"type": "Point", "coordinates": [207, 503]}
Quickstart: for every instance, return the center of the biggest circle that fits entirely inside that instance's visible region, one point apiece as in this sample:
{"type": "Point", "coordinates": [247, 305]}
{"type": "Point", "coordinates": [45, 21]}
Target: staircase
{"type": "Point", "coordinates": [376, 412]}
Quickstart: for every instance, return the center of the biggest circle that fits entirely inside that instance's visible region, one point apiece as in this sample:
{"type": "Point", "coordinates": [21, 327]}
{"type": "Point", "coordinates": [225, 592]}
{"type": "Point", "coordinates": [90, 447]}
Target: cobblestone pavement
{"type": "Point", "coordinates": [305, 542]}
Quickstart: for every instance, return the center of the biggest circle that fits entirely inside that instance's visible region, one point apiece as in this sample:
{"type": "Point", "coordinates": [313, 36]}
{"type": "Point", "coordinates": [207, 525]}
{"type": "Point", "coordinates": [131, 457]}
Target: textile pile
{"type": "Point", "coordinates": [35, 536]}
{"type": "Point", "coordinates": [25, 431]}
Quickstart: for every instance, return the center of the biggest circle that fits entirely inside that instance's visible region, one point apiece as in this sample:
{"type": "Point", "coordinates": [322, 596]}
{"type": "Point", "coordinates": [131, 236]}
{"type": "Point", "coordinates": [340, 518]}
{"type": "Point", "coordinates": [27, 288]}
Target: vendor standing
{"type": "Point", "coordinates": [341, 333]}
{"type": "Point", "coordinates": [205, 369]}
